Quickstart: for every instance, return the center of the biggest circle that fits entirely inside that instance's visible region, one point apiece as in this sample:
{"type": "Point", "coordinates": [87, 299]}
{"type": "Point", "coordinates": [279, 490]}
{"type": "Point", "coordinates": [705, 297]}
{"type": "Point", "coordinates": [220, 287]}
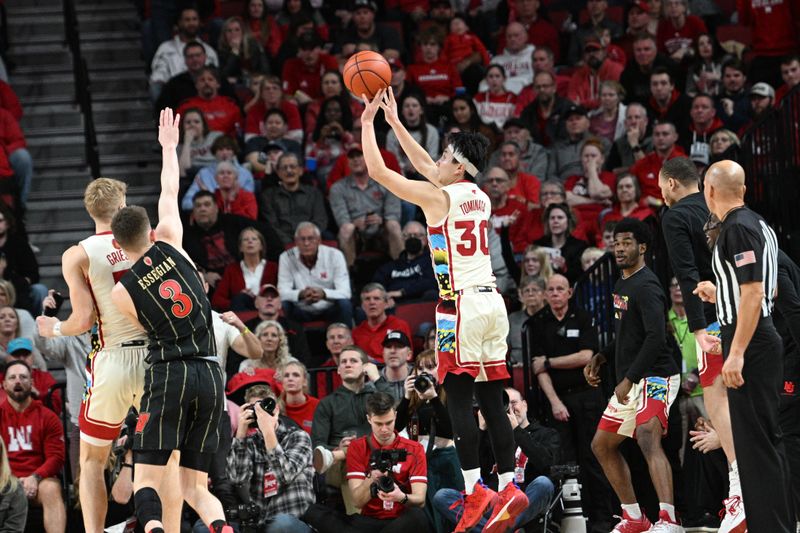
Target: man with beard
{"type": "Point", "coordinates": [584, 86]}
{"type": "Point", "coordinates": [410, 276]}
{"type": "Point", "coordinates": [169, 60]}
{"type": "Point", "coordinates": [648, 382]}
{"type": "Point", "coordinates": [221, 112]}
{"type": "Point", "coordinates": [35, 442]}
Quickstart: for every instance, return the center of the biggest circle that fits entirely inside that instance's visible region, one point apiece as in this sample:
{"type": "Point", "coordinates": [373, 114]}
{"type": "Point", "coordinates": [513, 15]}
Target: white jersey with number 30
{"type": "Point", "coordinates": [107, 264]}
{"type": "Point", "coordinates": [460, 242]}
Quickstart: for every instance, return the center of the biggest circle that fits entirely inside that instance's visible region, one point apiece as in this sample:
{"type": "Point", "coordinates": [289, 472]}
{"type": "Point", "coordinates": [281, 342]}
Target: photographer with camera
{"type": "Point", "coordinates": [423, 413]}
{"type": "Point", "coordinates": [387, 475]}
{"type": "Point", "coordinates": [538, 449]}
{"type": "Point", "coordinates": [271, 458]}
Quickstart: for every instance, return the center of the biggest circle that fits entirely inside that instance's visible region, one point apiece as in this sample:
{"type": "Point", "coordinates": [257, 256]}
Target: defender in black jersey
{"type": "Point", "coordinates": [745, 263]}
{"type": "Point", "coordinates": [183, 387]}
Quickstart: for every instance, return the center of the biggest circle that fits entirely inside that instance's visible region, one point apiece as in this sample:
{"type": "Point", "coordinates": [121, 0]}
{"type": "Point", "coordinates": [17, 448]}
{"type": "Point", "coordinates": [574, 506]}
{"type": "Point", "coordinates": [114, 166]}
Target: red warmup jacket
{"type": "Point", "coordinates": [9, 100]}
{"type": "Point", "coordinates": [459, 47]}
{"type": "Point", "coordinates": [303, 414]}
{"type": "Point", "coordinates": [371, 339]}
{"type": "Point", "coordinates": [232, 283]}
{"type": "Point", "coordinates": [774, 24]}
{"type": "Point", "coordinates": [34, 439]}
{"type": "Point", "coordinates": [221, 112]}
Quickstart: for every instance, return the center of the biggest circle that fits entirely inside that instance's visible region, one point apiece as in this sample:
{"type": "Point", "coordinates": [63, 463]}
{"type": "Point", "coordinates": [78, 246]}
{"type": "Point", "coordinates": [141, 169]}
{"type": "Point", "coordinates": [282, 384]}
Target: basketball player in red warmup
{"type": "Point", "coordinates": [471, 319]}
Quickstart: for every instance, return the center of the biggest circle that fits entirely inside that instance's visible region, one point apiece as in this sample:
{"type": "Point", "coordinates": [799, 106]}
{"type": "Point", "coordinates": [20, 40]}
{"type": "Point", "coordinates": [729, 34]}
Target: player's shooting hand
{"type": "Point", "coordinates": [389, 106]}
{"type": "Point", "coordinates": [622, 389]}
{"type": "Point", "coordinates": [168, 129]}
{"type": "Point", "coordinates": [732, 371]}
{"type": "Point", "coordinates": [371, 108]}
{"type": "Point", "coordinates": [707, 291]}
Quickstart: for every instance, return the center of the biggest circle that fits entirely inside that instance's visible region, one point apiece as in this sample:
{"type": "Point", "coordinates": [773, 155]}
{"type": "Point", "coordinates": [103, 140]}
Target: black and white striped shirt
{"type": "Point", "coordinates": [746, 251]}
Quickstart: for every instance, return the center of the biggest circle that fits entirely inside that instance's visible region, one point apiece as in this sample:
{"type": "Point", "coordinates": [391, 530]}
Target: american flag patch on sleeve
{"type": "Point", "coordinates": [744, 258]}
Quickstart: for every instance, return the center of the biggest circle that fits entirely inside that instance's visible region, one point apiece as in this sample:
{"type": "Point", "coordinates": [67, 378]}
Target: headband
{"type": "Point", "coordinates": [461, 158]}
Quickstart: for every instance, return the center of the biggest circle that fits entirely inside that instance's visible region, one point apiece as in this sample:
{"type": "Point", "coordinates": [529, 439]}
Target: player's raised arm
{"type": "Point", "coordinates": [169, 227]}
{"type": "Point", "coordinates": [434, 202]}
{"type": "Point", "coordinates": [415, 152]}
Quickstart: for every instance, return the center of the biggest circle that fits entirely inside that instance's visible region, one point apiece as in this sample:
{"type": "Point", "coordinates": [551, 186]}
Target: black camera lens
{"type": "Point", "coordinates": [423, 382]}
{"type": "Point", "coordinates": [268, 404]}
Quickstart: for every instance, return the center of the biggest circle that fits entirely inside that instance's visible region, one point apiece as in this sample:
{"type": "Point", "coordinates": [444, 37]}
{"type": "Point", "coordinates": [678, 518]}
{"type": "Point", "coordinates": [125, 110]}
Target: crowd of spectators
{"type": "Point", "coordinates": [582, 104]}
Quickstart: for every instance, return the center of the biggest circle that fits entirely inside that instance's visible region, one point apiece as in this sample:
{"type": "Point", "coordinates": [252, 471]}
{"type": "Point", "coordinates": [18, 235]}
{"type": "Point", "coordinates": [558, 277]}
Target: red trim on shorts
{"type": "Point", "coordinates": [610, 424]}
{"type": "Point", "coordinates": [711, 369]}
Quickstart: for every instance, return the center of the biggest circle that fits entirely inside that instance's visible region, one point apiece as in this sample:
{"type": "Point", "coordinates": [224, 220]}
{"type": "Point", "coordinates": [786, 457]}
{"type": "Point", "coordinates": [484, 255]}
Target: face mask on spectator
{"type": "Point", "coordinates": [413, 246]}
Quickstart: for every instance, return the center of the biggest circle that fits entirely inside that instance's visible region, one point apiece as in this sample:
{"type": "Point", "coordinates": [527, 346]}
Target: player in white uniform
{"type": "Point", "coordinates": [471, 319]}
{"type": "Point", "coordinates": [115, 372]}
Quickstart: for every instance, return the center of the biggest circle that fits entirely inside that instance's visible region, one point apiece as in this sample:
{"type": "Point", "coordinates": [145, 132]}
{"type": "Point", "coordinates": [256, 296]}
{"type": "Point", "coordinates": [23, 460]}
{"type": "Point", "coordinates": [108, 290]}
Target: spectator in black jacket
{"type": "Point", "coordinates": [18, 264]}
{"type": "Point", "coordinates": [538, 448]}
{"type": "Point", "coordinates": [410, 276]}
{"type": "Point", "coordinates": [268, 305]}
{"type": "Point", "coordinates": [636, 76]}
{"type": "Point", "coordinates": [733, 101]}
{"type": "Point", "coordinates": [212, 238]}
{"type": "Point", "coordinates": [544, 117]}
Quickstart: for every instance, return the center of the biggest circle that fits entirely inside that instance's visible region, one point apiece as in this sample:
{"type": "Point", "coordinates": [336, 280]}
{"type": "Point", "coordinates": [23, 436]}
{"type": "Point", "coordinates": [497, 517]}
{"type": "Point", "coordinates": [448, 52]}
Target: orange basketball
{"type": "Point", "coordinates": [367, 73]}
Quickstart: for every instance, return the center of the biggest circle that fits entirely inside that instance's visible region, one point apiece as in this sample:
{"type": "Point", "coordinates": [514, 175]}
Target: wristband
{"type": "Point", "coordinates": [57, 329]}
{"type": "Point", "coordinates": [246, 330]}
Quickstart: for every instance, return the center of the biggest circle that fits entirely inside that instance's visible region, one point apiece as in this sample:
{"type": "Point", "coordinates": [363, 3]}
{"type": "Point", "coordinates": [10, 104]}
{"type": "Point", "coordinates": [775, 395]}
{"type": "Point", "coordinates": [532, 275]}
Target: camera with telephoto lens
{"type": "Point", "coordinates": [247, 515]}
{"type": "Point", "coordinates": [561, 472]}
{"type": "Point", "coordinates": [423, 382]}
{"type": "Point", "coordinates": [384, 461]}
{"type": "Point", "coordinates": [268, 404]}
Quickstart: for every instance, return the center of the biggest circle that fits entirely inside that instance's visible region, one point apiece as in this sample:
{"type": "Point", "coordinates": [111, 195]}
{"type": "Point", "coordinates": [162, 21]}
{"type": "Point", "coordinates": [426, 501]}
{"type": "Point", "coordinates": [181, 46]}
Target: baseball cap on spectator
{"type": "Point", "coordinates": [398, 337]}
{"type": "Point", "coordinates": [369, 4]}
{"type": "Point", "coordinates": [239, 383]}
{"type": "Point", "coordinates": [762, 89]}
{"type": "Point", "coordinates": [269, 287]}
{"type": "Point", "coordinates": [575, 109]}
{"type": "Point", "coordinates": [308, 40]}
{"type": "Point", "coordinates": [644, 6]}
{"type": "Point", "coordinates": [395, 63]}
{"type": "Point", "coordinates": [19, 344]}
{"type": "Point", "coordinates": [592, 43]}
{"type": "Point", "coordinates": [515, 123]}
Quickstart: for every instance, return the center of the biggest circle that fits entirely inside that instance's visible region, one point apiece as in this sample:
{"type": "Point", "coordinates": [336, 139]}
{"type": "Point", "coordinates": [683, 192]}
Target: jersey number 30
{"type": "Point", "coordinates": [171, 290]}
{"type": "Point", "coordinates": [469, 244]}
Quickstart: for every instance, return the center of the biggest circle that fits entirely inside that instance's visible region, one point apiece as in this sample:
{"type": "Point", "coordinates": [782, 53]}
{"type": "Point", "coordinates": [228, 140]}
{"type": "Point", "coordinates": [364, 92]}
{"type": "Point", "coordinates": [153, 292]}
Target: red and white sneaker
{"type": "Point", "coordinates": [666, 525]}
{"type": "Point", "coordinates": [473, 506]}
{"type": "Point", "coordinates": [734, 520]}
{"type": "Point", "coordinates": [629, 525]}
{"type": "Point", "coordinates": [511, 502]}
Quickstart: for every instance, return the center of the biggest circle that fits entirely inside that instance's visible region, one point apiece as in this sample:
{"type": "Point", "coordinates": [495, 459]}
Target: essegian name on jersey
{"type": "Point", "coordinates": [472, 205]}
{"type": "Point", "coordinates": [156, 273]}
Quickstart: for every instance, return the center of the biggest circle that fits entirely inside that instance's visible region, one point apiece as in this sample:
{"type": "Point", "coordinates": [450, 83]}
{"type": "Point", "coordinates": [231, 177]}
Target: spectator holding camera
{"type": "Point", "coordinates": [423, 413]}
{"type": "Point", "coordinates": [272, 458]}
{"type": "Point", "coordinates": [387, 475]}
{"type": "Point", "coordinates": [538, 449]}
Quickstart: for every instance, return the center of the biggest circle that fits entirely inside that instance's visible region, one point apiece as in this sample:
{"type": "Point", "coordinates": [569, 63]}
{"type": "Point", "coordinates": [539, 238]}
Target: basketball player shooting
{"type": "Point", "coordinates": [471, 319]}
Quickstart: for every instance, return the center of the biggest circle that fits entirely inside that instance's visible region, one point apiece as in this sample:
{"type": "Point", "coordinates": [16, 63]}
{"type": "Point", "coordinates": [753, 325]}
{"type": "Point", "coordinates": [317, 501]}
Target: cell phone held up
{"type": "Point", "coordinates": [53, 311]}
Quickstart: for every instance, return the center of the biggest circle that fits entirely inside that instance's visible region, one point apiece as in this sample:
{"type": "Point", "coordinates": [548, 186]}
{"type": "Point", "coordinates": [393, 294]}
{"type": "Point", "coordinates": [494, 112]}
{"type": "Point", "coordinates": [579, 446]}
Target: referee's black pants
{"type": "Point", "coordinates": [754, 410]}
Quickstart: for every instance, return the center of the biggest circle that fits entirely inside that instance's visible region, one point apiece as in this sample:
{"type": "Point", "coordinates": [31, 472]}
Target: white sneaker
{"type": "Point", "coordinates": [322, 459]}
{"type": "Point", "coordinates": [734, 521]}
{"type": "Point", "coordinates": [665, 525]}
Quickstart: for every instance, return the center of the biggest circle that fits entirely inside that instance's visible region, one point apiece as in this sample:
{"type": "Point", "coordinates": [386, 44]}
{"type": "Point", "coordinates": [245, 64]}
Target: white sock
{"type": "Point", "coordinates": [633, 510]}
{"type": "Point", "coordinates": [733, 480]}
{"type": "Point", "coordinates": [504, 479]}
{"type": "Point", "coordinates": [470, 478]}
{"type": "Point", "coordinates": [669, 508]}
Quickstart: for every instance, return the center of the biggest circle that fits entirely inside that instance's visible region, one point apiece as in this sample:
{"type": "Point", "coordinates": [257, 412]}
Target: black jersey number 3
{"type": "Point", "coordinates": [171, 290]}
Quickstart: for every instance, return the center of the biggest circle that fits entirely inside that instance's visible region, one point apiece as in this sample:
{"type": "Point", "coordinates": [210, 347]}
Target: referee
{"type": "Point", "coordinates": [745, 261]}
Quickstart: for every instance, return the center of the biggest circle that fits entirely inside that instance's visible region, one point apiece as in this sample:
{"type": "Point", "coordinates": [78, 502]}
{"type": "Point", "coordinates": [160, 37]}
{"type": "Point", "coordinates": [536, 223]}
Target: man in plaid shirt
{"type": "Point", "coordinates": [273, 461]}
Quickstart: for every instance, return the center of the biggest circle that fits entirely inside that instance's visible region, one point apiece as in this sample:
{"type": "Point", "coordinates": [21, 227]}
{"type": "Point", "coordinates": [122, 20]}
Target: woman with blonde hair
{"type": "Point", "coordinates": [298, 404]}
{"type": "Point", "coordinates": [536, 263]}
{"type": "Point", "coordinates": [240, 54]}
{"type": "Point", "coordinates": [276, 347]}
{"type": "Point", "coordinates": [13, 503]}
{"type": "Point", "coordinates": [423, 413]}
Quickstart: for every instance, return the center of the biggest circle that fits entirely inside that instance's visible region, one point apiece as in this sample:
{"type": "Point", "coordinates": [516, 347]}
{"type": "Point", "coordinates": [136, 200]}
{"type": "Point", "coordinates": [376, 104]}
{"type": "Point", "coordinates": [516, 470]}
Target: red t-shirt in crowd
{"type": "Point", "coordinates": [646, 171]}
{"type": "Point", "coordinates": [221, 113]}
{"type": "Point", "coordinates": [322, 386]}
{"type": "Point", "coordinates": [434, 79]}
{"type": "Point", "coordinates": [640, 212]}
{"type": "Point", "coordinates": [297, 77]}
{"type": "Point", "coordinates": [256, 116]}
{"type": "Point", "coordinates": [670, 39]}
{"type": "Point", "coordinates": [413, 470]}
{"type": "Point", "coordinates": [774, 25]}
{"type": "Point", "coordinates": [244, 204]}
{"type": "Point", "coordinates": [371, 339]}
{"type": "Point", "coordinates": [528, 228]}
{"type": "Point", "coordinates": [513, 215]}
{"type": "Point", "coordinates": [578, 186]}
{"type": "Point", "coordinates": [232, 283]}
{"type": "Point", "coordinates": [459, 47]}
{"type": "Point", "coordinates": [34, 440]}
{"type": "Point", "coordinates": [408, 6]}
{"type": "Point", "coordinates": [526, 190]}
{"type": "Point", "coordinates": [303, 413]}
